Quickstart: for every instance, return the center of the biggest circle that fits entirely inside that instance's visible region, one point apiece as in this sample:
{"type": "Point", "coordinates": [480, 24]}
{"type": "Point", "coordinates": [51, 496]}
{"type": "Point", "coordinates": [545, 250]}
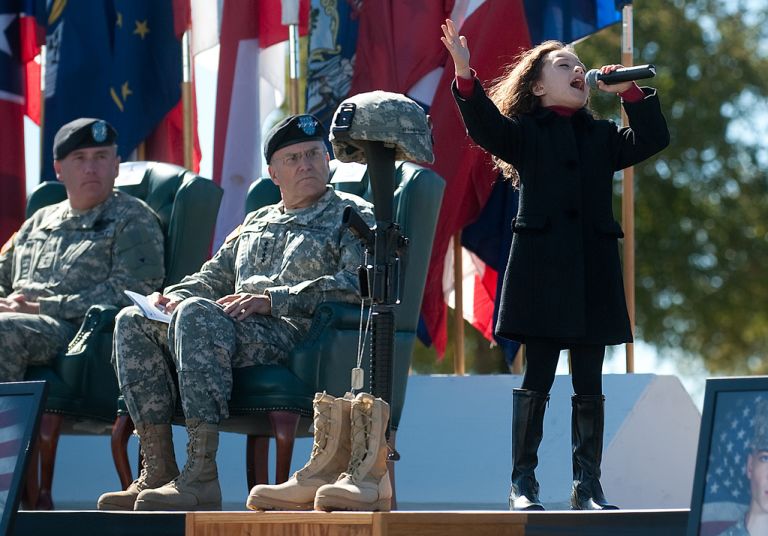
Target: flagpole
{"type": "Point", "coordinates": [186, 100]}
{"type": "Point", "coordinates": [290, 17]}
{"type": "Point", "coordinates": [628, 195]}
{"type": "Point", "coordinates": [458, 304]}
{"type": "Point", "coordinates": [293, 53]}
{"type": "Point", "coordinates": [43, 52]}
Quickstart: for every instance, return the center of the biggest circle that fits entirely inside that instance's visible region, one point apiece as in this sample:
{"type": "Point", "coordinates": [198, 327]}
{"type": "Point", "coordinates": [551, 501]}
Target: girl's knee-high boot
{"type": "Point", "coordinates": [527, 430]}
{"type": "Point", "coordinates": [587, 426]}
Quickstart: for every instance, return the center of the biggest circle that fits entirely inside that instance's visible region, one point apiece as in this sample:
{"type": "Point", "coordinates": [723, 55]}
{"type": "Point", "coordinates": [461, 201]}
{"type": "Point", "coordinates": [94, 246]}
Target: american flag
{"type": "Point", "coordinates": [13, 411]}
{"type": "Point", "coordinates": [727, 489]}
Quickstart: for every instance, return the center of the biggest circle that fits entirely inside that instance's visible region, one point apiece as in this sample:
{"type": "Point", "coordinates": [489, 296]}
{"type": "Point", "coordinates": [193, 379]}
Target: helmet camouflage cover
{"type": "Point", "coordinates": [391, 118]}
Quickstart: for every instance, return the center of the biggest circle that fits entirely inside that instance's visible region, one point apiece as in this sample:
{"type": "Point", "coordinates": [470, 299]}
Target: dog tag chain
{"type": "Point", "coordinates": [357, 380]}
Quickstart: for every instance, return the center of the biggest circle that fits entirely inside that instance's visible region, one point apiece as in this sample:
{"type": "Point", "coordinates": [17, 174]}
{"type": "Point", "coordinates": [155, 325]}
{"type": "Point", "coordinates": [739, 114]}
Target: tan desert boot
{"type": "Point", "coordinates": [329, 457]}
{"type": "Point", "coordinates": [365, 484]}
{"type": "Point", "coordinates": [197, 487]}
{"type": "Point", "coordinates": [158, 467]}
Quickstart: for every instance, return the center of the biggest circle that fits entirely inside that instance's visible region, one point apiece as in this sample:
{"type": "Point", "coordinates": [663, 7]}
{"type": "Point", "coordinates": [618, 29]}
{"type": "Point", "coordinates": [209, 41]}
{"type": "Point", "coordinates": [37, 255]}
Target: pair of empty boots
{"type": "Point", "coordinates": [160, 486]}
{"type": "Point", "coordinates": [587, 428]}
{"type": "Point", "coordinates": [347, 469]}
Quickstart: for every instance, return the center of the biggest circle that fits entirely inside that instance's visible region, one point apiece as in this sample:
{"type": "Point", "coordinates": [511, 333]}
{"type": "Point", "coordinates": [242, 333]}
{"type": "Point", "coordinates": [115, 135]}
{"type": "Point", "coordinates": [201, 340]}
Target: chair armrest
{"type": "Point", "coordinates": [98, 319]}
{"type": "Point", "coordinates": [306, 360]}
{"type": "Point", "coordinates": [87, 345]}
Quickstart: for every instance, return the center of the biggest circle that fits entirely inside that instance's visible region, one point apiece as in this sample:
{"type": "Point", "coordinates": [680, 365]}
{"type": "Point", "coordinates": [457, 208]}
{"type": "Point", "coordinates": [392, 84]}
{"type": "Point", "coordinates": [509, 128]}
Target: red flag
{"type": "Point", "coordinates": [251, 83]}
{"type": "Point", "coordinates": [166, 142]}
{"type": "Point", "coordinates": [496, 31]}
{"type": "Point", "coordinates": [399, 50]}
{"type": "Point", "coordinates": [398, 44]}
{"type": "Point", "coordinates": [14, 88]}
{"type": "Point", "coordinates": [12, 166]}
{"type": "Point", "coordinates": [478, 289]}
{"type": "Point", "coordinates": [32, 36]}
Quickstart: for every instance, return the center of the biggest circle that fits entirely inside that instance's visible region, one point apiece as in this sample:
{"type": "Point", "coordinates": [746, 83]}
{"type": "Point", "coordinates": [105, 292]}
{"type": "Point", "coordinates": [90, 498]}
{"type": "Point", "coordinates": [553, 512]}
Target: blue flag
{"type": "Point", "coordinates": [118, 60]}
{"type": "Point", "coordinates": [570, 20]}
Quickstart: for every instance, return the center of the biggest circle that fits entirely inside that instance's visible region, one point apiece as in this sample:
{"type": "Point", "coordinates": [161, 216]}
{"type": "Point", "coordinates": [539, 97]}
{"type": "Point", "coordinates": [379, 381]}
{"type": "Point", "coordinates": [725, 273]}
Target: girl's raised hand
{"type": "Point", "coordinates": [457, 46]}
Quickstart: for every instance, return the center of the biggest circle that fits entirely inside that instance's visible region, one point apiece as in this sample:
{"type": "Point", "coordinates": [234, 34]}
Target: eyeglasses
{"type": "Point", "coordinates": [312, 155]}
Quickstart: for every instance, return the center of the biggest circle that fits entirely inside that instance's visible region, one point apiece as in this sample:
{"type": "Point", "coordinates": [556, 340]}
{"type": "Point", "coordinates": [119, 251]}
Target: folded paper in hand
{"type": "Point", "coordinates": [147, 308]}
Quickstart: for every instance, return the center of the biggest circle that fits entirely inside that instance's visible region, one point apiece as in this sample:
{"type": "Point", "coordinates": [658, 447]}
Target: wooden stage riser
{"type": "Point", "coordinates": [399, 523]}
{"type": "Point", "coordinates": [354, 524]}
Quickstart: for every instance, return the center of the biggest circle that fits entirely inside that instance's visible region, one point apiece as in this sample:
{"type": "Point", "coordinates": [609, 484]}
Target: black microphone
{"type": "Point", "coordinates": [625, 74]}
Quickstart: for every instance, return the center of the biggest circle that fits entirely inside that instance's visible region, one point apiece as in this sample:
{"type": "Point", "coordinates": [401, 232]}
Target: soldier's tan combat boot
{"type": "Point", "coordinates": [197, 487]}
{"type": "Point", "coordinates": [365, 484]}
{"type": "Point", "coordinates": [329, 458]}
{"type": "Point", "coordinates": [158, 467]}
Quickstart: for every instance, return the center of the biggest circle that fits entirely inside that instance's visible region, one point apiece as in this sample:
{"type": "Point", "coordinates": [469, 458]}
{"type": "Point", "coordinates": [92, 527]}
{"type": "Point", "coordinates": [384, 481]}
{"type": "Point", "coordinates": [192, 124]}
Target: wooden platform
{"type": "Point", "coordinates": [474, 523]}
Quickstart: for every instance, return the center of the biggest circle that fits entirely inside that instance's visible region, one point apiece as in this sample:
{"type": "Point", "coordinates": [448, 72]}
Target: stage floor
{"type": "Point", "coordinates": [399, 523]}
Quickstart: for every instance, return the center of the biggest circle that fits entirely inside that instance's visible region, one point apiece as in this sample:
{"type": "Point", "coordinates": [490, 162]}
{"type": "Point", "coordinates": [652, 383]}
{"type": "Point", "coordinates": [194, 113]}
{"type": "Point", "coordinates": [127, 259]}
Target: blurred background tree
{"type": "Point", "coordinates": [701, 206]}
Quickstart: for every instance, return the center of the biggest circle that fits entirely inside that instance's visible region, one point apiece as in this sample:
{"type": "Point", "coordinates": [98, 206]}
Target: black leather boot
{"type": "Point", "coordinates": [527, 430]}
{"type": "Point", "coordinates": [587, 426]}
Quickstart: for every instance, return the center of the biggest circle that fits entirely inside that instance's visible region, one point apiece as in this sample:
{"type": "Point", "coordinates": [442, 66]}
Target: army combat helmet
{"type": "Point", "coordinates": [391, 118]}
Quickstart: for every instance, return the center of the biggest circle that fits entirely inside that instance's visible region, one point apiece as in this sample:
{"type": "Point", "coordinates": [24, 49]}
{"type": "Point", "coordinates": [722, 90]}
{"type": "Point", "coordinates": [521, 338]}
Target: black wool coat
{"type": "Point", "coordinates": [563, 279]}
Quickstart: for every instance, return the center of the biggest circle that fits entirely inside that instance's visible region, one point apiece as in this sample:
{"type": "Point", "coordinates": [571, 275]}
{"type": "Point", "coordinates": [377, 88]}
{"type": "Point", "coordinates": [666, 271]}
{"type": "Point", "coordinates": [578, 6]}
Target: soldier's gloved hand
{"type": "Point", "coordinates": [241, 306]}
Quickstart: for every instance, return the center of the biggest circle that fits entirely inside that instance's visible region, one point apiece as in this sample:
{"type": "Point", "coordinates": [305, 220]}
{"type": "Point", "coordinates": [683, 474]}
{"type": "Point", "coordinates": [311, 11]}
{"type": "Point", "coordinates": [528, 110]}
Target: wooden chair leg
{"type": "Point", "coordinates": [257, 460]}
{"type": "Point", "coordinates": [50, 430]}
{"type": "Point", "coordinates": [391, 469]}
{"type": "Point", "coordinates": [284, 425]}
{"type": "Point", "coordinates": [32, 479]}
{"type": "Point", "coordinates": [121, 432]}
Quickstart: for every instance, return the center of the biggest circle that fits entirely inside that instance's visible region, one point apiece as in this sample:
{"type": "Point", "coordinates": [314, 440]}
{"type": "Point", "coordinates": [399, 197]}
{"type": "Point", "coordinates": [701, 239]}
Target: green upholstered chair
{"type": "Point", "coordinates": [82, 387]}
{"type": "Point", "coordinates": [324, 360]}
{"type": "Point", "coordinates": [276, 401]}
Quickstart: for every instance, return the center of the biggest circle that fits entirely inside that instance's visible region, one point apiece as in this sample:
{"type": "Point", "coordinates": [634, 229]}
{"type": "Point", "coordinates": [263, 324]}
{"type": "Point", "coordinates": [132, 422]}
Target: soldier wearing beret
{"type": "Point", "coordinates": [250, 304]}
{"type": "Point", "coordinates": [85, 250]}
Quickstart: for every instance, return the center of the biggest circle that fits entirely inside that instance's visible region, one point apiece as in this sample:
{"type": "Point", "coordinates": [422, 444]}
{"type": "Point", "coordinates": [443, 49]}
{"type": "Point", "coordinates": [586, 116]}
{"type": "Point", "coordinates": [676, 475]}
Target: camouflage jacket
{"type": "Point", "coordinates": [300, 258]}
{"type": "Point", "coordinates": [739, 529]}
{"type": "Point", "coordinates": [68, 260]}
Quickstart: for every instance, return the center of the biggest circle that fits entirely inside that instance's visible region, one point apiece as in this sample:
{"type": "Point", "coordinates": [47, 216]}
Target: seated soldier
{"type": "Point", "coordinates": [250, 304]}
{"type": "Point", "coordinates": [83, 251]}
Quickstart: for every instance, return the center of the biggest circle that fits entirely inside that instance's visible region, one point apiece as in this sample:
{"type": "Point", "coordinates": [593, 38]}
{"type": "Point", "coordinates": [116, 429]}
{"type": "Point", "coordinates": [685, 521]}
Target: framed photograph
{"type": "Point", "coordinates": [20, 407]}
{"type": "Point", "coordinates": [730, 486]}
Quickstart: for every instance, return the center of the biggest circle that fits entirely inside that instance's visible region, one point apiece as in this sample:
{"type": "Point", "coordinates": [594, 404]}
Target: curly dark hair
{"type": "Point", "coordinates": [512, 92]}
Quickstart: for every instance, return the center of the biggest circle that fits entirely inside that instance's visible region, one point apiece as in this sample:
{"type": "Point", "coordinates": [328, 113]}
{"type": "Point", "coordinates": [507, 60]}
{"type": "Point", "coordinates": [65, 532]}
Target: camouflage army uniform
{"type": "Point", "coordinates": [68, 260]}
{"type": "Point", "coordinates": [299, 257]}
{"type": "Point", "coordinates": [739, 529]}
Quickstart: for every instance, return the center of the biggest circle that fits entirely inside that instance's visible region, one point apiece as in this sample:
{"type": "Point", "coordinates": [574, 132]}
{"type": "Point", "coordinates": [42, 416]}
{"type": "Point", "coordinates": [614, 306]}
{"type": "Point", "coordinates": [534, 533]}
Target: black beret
{"type": "Point", "coordinates": [292, 129]}
{"type": "Point", "coordinates": [82, 133]}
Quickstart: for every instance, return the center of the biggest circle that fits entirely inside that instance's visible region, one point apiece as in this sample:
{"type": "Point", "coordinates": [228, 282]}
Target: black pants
{"type": "Point", "coordinates": [586, 366]}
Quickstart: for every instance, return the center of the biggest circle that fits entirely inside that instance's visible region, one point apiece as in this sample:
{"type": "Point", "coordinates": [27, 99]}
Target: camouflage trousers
{"type": "Point", "coordinates": [27, 339]}
{"type": "Point", "coordinates": [198, 350]}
